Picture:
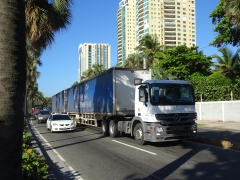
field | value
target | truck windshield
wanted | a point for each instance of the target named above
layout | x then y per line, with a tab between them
171	94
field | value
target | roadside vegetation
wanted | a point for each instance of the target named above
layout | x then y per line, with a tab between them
33	165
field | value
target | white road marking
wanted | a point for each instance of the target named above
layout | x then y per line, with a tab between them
47	146
135	147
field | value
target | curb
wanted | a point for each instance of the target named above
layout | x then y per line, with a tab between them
219	143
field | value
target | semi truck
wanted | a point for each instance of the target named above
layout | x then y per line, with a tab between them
125	101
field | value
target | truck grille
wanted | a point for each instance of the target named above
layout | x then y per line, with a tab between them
177	117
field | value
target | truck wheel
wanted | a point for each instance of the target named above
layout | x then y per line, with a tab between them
113	128
138	134
75	120
105	127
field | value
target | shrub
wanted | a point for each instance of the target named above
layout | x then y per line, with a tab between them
33	165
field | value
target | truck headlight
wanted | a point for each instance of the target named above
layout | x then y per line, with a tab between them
158	129
194	128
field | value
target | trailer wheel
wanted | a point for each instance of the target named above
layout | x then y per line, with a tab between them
105	127
113	128
138	134
75	122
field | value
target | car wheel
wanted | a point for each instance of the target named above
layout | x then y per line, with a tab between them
113	128
139	134
52	130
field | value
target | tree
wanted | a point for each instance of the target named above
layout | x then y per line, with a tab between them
148	47
228	63
134	61
12	87
182	62
43	19
97	69
91	72
74	84
226	17
159	73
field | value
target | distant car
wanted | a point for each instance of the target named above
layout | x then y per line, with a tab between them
60	122
42	116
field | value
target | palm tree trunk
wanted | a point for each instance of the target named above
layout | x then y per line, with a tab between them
12	87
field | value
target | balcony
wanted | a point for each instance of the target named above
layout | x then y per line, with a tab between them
169	7
169	16
169	34
170	25
169	12
170	43
170	29
170	38
169	20
169	3
140	2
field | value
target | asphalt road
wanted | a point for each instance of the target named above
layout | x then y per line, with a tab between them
93	157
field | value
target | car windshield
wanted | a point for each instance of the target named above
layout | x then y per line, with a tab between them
171	94
44	112
60	117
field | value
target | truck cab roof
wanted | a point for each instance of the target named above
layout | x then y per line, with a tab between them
166	81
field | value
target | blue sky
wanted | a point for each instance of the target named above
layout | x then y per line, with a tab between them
94	21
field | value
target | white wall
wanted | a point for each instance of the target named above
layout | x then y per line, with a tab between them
218	110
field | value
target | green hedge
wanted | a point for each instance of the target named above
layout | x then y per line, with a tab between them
212	90
33	165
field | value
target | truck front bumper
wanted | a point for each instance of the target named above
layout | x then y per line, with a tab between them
155	132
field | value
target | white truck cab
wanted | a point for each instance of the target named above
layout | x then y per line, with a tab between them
164	111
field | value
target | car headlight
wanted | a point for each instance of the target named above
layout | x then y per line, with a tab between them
55	124
158	129
40	118
72	124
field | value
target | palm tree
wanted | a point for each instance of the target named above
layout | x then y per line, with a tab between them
91	72
228	63
87	74
97	69
134	61
148	47
158	73
43	20
232	9
12	87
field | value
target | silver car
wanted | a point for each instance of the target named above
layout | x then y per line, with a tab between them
42	116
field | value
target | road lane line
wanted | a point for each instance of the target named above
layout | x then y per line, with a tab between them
47	147
135	147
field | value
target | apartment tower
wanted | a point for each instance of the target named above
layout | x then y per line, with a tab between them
92	53
173	21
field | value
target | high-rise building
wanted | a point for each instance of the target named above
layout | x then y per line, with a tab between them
173	21
93	53
126	29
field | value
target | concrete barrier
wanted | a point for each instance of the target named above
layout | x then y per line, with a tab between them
218	111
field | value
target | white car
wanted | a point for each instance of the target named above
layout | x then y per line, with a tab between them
60	122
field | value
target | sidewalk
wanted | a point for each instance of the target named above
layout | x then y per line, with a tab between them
217	133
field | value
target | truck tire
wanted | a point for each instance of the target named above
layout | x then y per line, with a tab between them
75	120
105	127
138	134
113	128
